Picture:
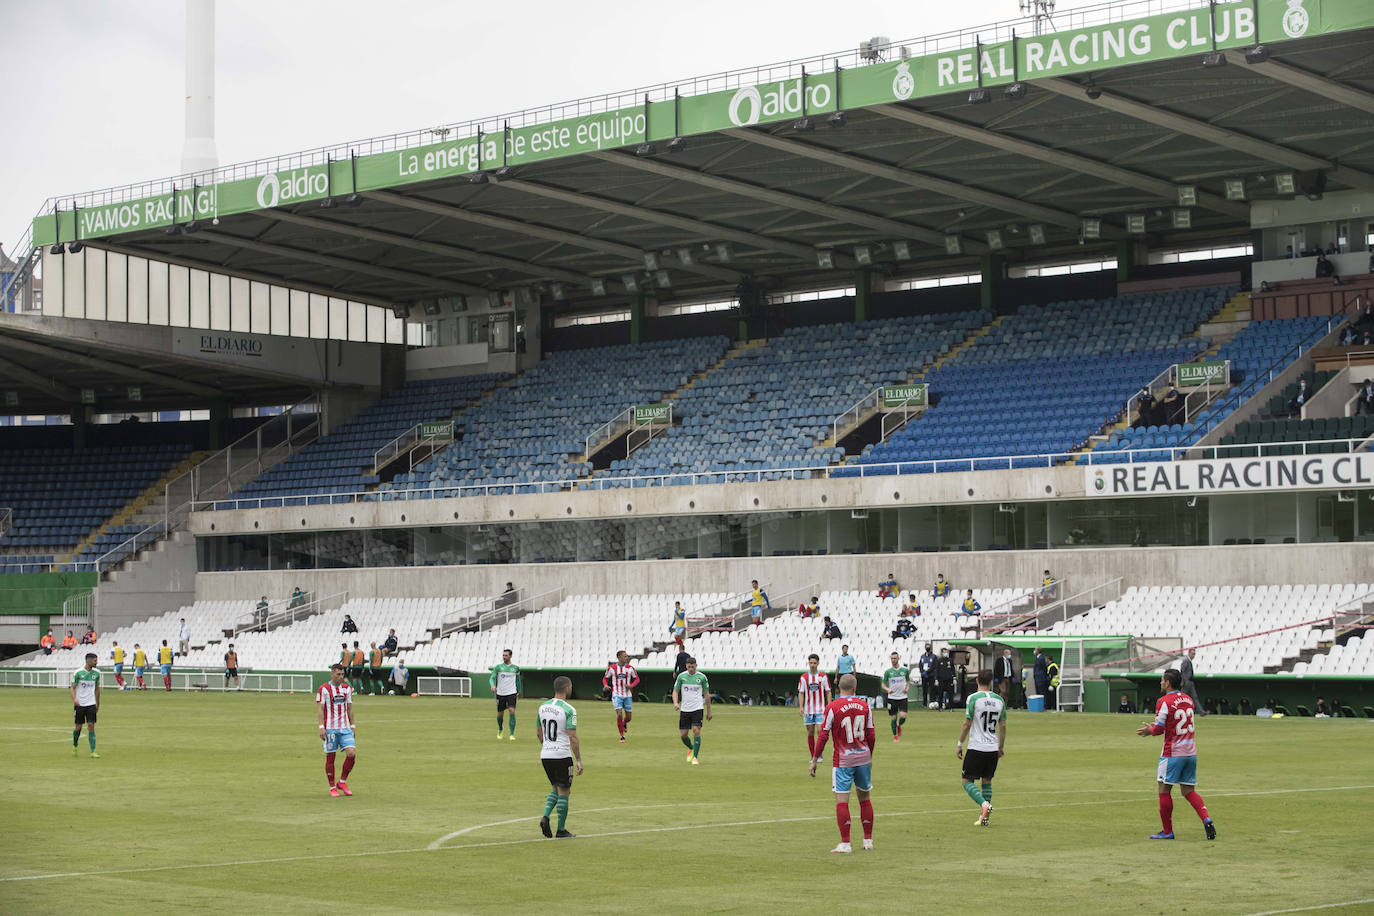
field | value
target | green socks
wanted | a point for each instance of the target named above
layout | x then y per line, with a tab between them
90	738
512	722
562	807
892	721
686	742
974	794
76	737
696	746
987	791
550	802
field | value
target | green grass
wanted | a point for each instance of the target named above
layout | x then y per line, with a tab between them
205	802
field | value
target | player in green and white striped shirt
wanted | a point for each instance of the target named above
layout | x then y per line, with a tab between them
691	697
560	752
506	683
896	681
985	716
86	702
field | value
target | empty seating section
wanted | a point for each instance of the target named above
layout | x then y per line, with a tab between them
1047	378
118	541
1252	433
768	408
207	620
865	620
25	563
341	462
59	495
1208	614
1259	347
582	631
536	429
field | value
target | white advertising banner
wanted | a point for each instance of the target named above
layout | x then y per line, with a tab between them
1231	475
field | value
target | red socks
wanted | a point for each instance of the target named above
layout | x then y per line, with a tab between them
1166	812
620	726
167	681
119	679
329	767
140	683
866	817
347	768
842	816
811	745
1199	806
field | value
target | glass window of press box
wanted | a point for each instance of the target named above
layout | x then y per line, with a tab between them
1265	518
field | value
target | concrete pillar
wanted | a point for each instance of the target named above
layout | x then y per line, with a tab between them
994	268
637	319
221	412
1128	253
863	288
80	421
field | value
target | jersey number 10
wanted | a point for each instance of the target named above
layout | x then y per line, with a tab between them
550	730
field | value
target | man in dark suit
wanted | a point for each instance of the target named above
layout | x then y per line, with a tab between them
1185	670
1041	672
1004	677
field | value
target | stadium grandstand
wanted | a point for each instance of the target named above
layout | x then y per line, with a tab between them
1088	334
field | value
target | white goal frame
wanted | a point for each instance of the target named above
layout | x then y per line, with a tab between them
443	686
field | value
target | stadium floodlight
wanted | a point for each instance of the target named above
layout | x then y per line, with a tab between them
901	251
194	225
954	245
836	119
478	178
1092	228
1257	55
863	255
677	145
87	395
684	256
1092	91
352	200
645	149
1135	223
1235	189
979	96
494	299
995	239
1016	91
803	124
650	260
1285	183
173	229
135	393
74	247
631	283
503	173
11	398
328	203
663	279
1214	59
1182	219
58	248
598	286
1187	195
825	260
723	253
560	292
1036	233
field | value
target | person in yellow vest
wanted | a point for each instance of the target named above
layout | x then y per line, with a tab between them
374	669
140	662
1052	695
117	656
969	607
231	668
1048	587
164	661
941	588
758	600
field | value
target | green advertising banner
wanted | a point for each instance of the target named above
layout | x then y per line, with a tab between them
1227	24
653	413
1205	373
905	395
437	430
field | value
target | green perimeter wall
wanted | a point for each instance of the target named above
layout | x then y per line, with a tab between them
1354	691
42	593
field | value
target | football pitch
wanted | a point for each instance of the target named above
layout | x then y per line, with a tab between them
209	802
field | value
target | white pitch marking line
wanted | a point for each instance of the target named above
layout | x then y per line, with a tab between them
682	827
1319	906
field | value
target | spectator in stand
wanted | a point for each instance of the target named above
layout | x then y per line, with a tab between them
941	588
1146	406
297	598
1049	588
904	628
758	600
400	676
69	641
845	664
969	608
810	610
912	607
1324	267
888	587
184	638
1348	336
1172	407
1300	398
925	666
262	611
509	596
348	625
48	643
1126	705
88	638
1364	404
390	645
830	630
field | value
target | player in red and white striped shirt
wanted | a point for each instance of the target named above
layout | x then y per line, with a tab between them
813	693
334	700
622	678
850	720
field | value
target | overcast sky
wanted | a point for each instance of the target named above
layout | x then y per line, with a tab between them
96	87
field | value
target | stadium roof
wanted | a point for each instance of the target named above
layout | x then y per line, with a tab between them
800	172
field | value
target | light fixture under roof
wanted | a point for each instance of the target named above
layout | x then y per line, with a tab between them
1135	223
995	239
954	245
631	283
1182	218
863	255
825	260
598	286
1036	233
1235	188
1092	228
1187	195
901	250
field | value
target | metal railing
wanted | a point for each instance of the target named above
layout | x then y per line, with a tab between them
1101	457
406	441
720	615
1061	609
616	426
960	39
282	613
78	611
497	610
1208	391
854	415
